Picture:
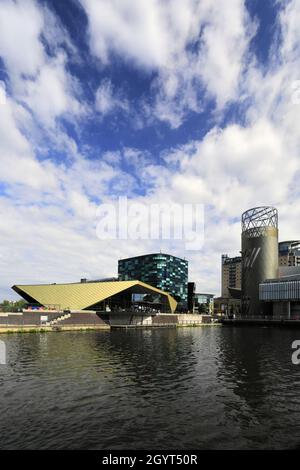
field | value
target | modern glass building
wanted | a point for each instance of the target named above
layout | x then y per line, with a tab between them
166	272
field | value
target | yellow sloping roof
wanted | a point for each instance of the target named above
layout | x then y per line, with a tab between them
78	296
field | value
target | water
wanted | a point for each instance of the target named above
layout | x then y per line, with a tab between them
192	388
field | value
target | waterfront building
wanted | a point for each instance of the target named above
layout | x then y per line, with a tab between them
288	259
284	271
282	295
289	253
259	255
269	271
166	272
113	296
231	275
227	307
204	303
199	302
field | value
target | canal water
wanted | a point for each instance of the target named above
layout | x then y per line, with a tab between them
188	388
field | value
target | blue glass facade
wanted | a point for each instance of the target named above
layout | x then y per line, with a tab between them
166	272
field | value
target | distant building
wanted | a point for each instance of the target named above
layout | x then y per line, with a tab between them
199	302
265	279
282	296
228	307
191	296
288	260
166	272
289	253
204	303
104	279
231	275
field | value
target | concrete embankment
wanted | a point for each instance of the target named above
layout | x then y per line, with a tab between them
17	323
160	320
45	329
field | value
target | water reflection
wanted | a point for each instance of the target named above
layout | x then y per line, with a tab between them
159	388
261	385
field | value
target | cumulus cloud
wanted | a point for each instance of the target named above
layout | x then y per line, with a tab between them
198	49
48	211
47	206
195	51
21	25
38	78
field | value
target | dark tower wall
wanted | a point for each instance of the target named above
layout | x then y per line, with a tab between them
259	255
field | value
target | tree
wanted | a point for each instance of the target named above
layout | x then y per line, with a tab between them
11	306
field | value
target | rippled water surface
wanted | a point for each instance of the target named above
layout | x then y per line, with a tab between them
200	388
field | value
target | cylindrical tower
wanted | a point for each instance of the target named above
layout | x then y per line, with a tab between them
259	255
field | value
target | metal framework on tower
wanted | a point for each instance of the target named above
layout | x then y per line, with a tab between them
257	219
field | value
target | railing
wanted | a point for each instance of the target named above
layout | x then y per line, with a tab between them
130	311
261	317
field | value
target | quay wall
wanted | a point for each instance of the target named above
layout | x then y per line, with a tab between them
90	319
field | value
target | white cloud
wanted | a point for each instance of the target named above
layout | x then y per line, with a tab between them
38	79
108	99
49	207
18	162
47	212
2	93
21	24
49	95
289	20
134	29
198	49
225	41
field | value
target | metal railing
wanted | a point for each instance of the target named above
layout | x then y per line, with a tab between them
262	317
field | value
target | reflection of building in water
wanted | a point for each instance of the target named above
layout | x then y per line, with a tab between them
140	352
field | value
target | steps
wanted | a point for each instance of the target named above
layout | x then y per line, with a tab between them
57	320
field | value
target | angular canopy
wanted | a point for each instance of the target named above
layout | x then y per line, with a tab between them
81	295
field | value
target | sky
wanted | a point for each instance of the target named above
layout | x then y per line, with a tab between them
181	101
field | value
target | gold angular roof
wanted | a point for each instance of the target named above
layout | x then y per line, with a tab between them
81	295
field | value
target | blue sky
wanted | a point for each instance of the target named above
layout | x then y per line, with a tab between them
183	101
